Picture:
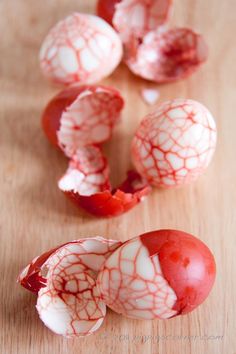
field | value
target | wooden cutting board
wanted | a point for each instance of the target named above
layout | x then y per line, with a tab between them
35	216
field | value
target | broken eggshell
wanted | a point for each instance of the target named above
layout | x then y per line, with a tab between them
174	144
152	51
82	48
106	9
134	18
166	55
81	116
88	186
65	280
160	274
78	120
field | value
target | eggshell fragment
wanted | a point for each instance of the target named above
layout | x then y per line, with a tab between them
160	274
81	48
80	116
166	55
134	18
65	280
106	9
78	120
99	198
174	145
150	96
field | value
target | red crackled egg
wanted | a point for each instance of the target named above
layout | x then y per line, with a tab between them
174	145
160	274
81	48
78	120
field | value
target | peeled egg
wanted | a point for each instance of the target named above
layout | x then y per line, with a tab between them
174	145
160	274
81	48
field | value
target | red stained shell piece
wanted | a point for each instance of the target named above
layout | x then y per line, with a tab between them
81	48
81	116
34	276
78	120
134	18
106	9
159	274
174	145
107	202
31	276
68	301
165	56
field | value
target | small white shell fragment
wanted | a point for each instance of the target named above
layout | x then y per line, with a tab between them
150	96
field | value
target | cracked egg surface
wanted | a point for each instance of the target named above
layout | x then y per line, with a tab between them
82	48
174	145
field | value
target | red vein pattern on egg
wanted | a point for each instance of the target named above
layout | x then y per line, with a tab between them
68	301
174	144
132	284
79	49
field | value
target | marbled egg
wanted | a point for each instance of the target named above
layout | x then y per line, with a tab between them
82	48
174	144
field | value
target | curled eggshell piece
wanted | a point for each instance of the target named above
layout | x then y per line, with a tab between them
174	145
134	18
166	55
82	48
78	120
88	186
65	280
160	274
80	116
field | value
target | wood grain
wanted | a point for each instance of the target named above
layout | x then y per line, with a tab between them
35	216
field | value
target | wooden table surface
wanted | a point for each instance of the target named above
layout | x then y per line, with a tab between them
35	216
